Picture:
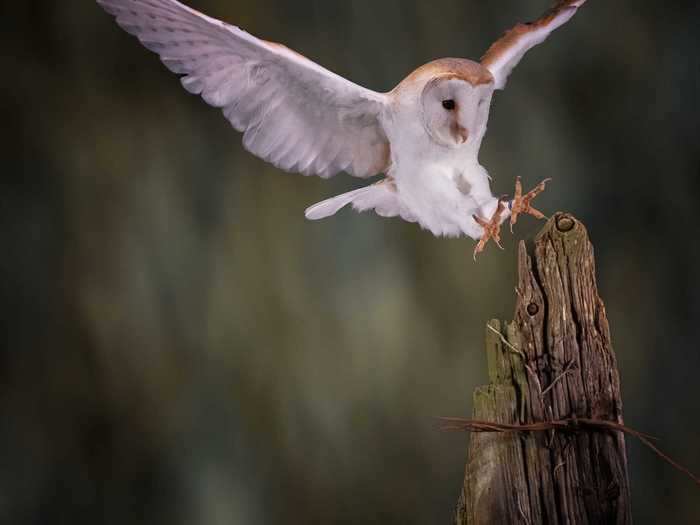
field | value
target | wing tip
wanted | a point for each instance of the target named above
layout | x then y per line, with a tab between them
555	17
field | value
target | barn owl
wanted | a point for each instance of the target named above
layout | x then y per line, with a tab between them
423	136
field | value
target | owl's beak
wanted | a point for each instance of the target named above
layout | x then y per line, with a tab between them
461	134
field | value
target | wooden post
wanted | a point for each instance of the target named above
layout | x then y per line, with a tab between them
555	361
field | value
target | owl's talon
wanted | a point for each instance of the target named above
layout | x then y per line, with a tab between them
522	203
492	229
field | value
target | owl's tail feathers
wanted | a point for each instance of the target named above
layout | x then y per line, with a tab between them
333	205
380	197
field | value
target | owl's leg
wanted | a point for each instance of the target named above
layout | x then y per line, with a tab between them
492	228
522	203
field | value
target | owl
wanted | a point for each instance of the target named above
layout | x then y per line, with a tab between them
423	137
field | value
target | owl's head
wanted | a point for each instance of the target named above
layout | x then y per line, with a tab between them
455	111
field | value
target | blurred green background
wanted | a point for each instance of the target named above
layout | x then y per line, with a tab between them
182	347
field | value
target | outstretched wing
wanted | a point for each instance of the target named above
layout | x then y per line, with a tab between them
294	113
505	53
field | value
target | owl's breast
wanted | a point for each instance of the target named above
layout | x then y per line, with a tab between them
442	196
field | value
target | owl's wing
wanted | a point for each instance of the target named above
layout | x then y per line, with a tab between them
507	52
294	113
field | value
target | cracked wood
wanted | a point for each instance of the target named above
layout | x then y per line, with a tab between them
554	361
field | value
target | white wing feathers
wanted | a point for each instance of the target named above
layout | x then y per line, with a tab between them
294	113
505	54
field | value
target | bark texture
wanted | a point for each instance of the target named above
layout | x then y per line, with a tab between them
554	361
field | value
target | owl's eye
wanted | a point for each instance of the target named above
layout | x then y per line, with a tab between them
449	105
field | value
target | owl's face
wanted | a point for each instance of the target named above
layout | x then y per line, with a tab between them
455	112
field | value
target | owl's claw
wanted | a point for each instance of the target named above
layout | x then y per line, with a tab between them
522	203
492	229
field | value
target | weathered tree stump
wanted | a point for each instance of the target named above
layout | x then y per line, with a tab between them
554	362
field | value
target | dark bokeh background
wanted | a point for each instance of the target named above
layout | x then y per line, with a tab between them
181	347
